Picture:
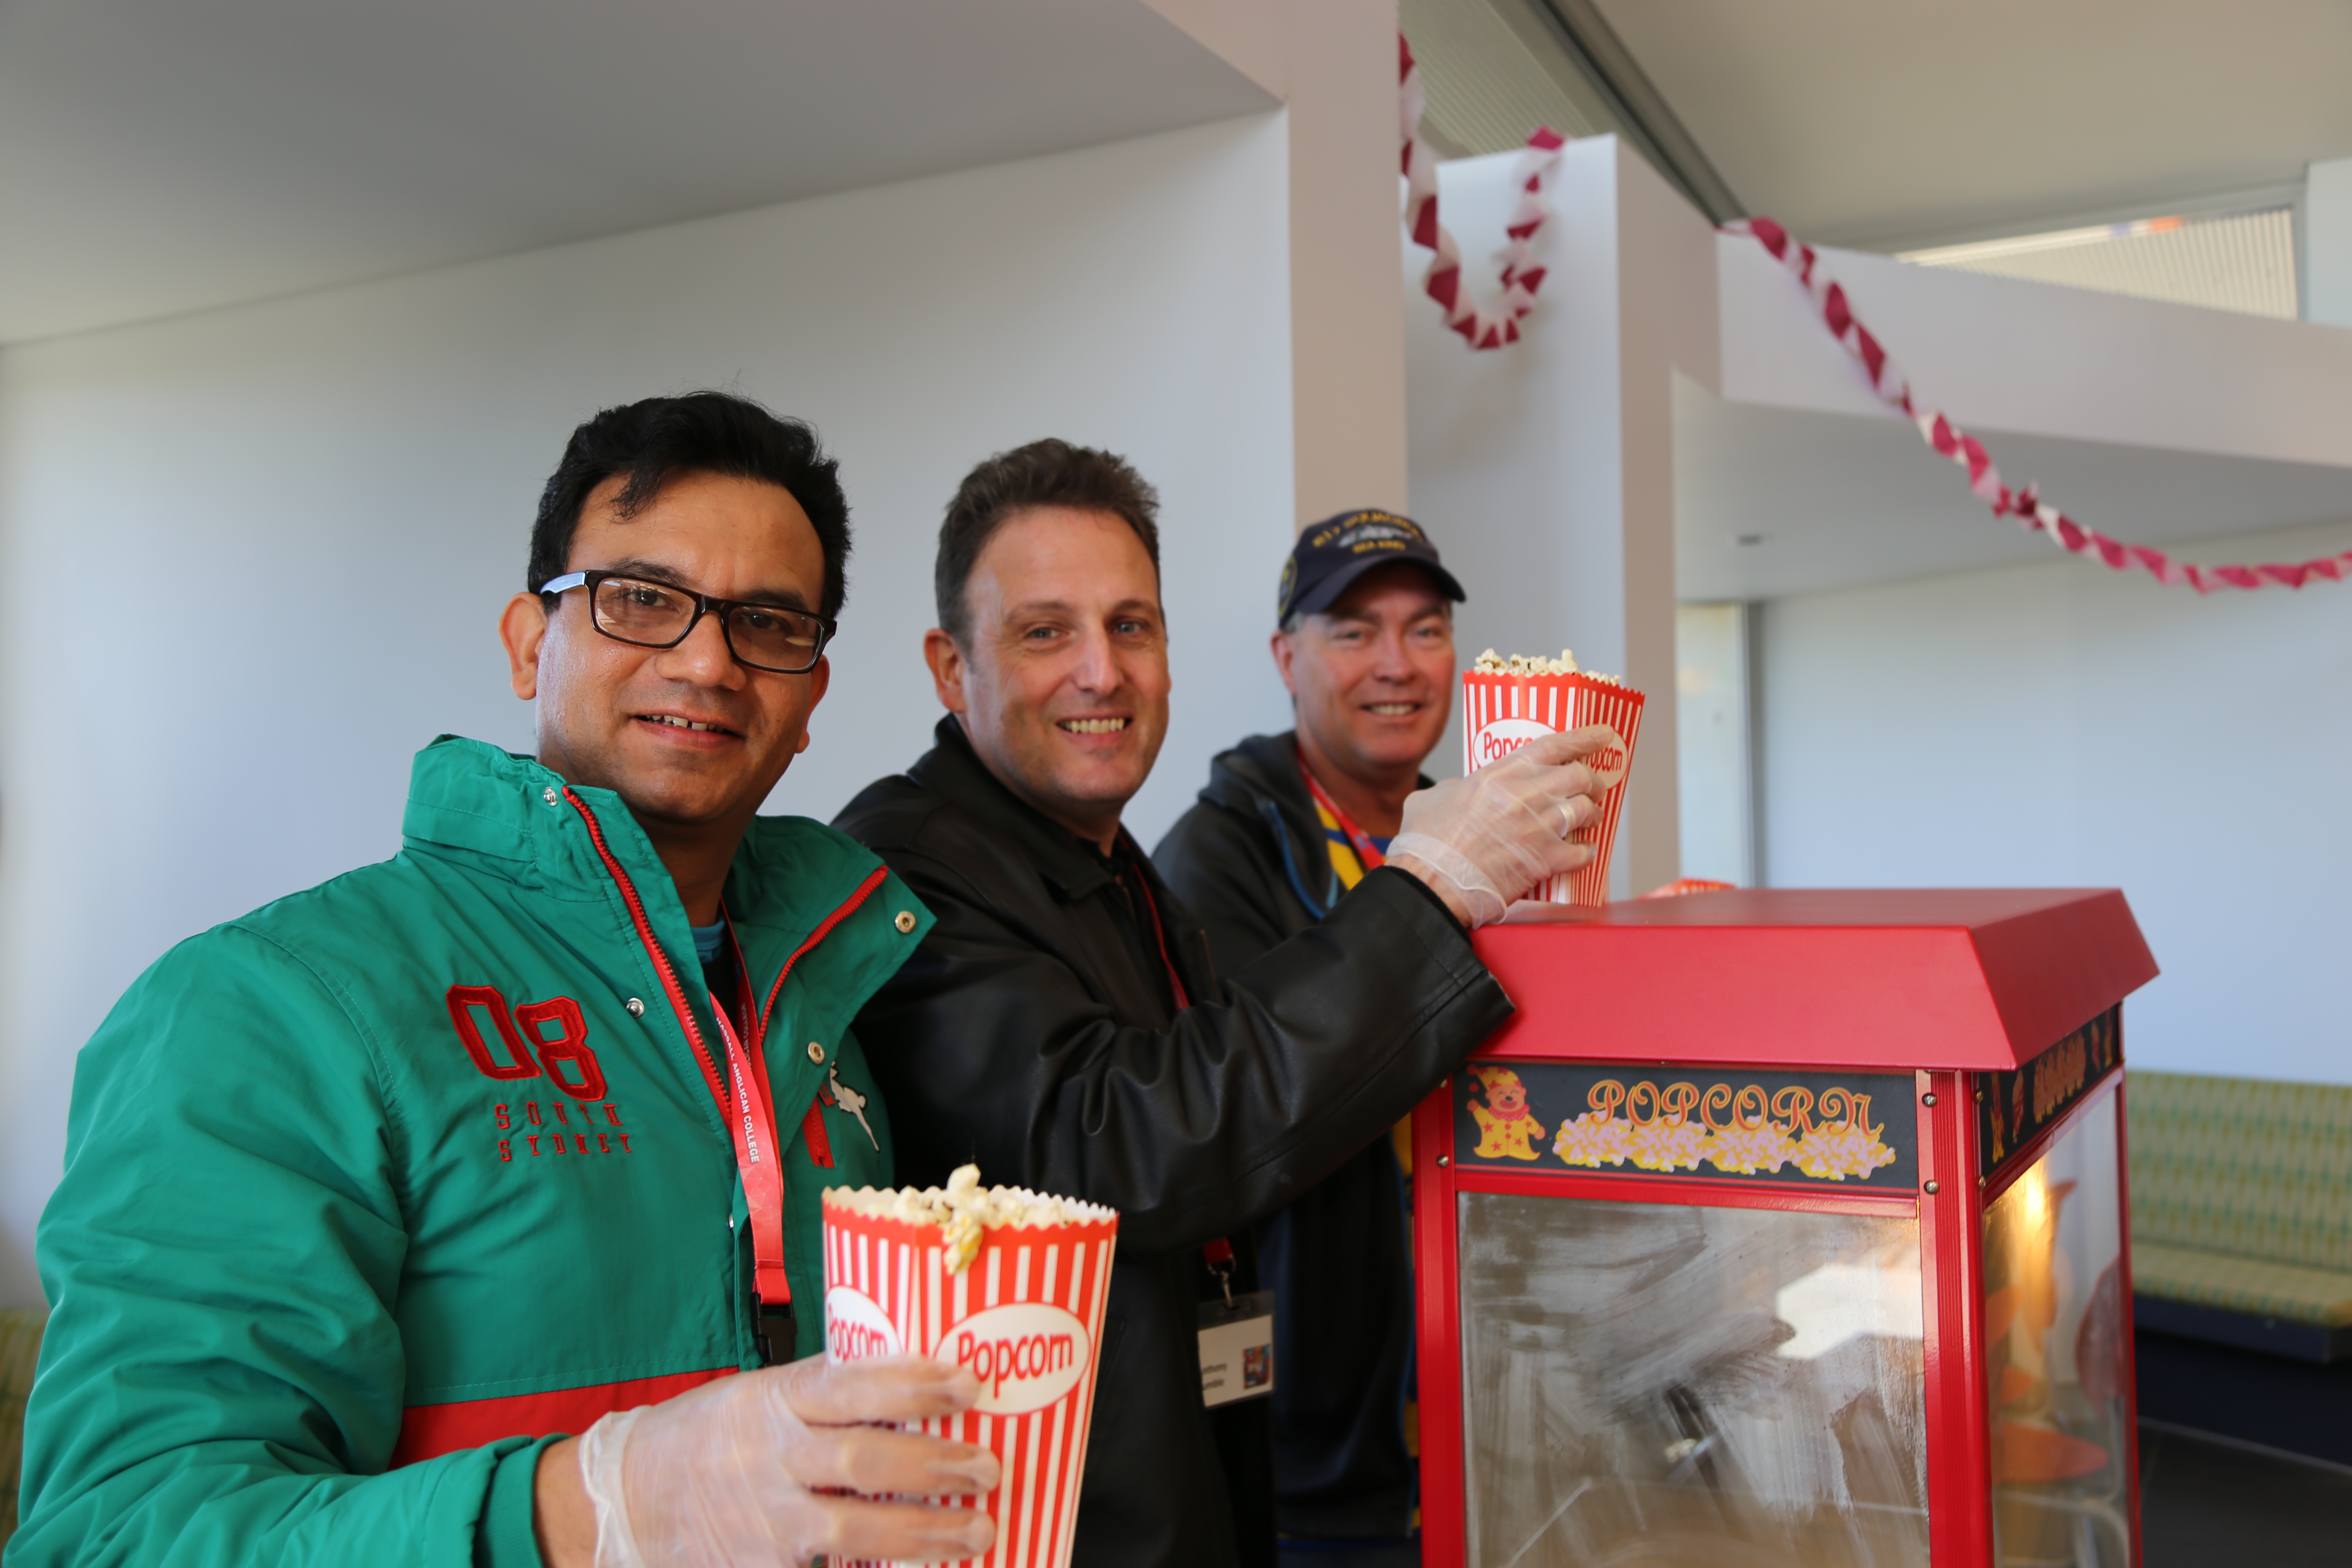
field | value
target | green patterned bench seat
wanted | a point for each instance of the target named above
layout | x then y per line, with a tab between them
2241	1211
20	1347
2322	1296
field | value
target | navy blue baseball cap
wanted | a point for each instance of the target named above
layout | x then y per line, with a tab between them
1338	549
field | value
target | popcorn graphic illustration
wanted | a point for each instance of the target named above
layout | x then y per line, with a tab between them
1595	1139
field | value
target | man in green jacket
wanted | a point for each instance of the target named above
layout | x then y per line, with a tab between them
373	1196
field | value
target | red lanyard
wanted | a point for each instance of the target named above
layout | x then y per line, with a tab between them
1368	853
1152	907
750	1116
754	1128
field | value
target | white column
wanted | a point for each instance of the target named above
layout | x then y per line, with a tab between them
2327	243
1545	470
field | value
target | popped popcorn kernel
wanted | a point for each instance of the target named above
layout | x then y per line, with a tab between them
965	1211
1492	663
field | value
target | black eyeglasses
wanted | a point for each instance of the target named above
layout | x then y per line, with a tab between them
656	615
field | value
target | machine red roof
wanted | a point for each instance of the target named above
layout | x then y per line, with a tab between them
1937	978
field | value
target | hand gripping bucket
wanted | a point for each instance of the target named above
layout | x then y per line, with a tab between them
1025	1315
1501	713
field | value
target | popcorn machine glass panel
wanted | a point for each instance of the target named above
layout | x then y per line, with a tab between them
1650	1386
2056	1365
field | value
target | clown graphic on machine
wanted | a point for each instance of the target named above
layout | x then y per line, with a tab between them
1506	1128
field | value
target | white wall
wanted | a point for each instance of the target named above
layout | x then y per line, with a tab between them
258	551
1333	62
2061	725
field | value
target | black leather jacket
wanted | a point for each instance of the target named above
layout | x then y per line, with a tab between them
1249	860
1028	1034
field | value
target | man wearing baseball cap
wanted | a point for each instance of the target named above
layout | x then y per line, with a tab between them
1288	825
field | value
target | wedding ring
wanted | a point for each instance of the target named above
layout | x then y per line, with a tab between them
1568	811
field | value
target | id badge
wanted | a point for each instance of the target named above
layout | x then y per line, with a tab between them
1237	1349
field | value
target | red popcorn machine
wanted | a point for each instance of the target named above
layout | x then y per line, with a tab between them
1785	1228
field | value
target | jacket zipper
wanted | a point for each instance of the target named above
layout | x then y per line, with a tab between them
824	929
676	993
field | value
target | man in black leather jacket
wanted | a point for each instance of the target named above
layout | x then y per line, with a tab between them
1062	1024
1365	644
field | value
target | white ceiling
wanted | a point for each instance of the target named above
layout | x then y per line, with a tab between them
1842	501
1493	70
1883	123
158	156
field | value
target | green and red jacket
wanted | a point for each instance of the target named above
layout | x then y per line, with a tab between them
369	1193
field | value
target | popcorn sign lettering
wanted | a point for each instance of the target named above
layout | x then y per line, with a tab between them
854	1328
1843	1143
1501	738
1771	1126
1025	1356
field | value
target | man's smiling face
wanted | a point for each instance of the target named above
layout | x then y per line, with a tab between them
1064	688
690	739
1373	675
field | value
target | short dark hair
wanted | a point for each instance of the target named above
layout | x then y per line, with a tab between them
1043	473
658	440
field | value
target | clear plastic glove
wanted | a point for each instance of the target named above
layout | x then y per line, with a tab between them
1481	843
740	1469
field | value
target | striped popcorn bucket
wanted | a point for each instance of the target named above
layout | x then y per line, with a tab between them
1025	1315
1501	713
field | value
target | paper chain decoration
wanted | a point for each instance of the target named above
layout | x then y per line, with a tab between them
2030	509
1442	282
1522	279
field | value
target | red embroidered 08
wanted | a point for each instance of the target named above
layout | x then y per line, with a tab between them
463	1000
570	1046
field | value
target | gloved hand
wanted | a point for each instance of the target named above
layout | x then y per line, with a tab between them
1485	841
738	1471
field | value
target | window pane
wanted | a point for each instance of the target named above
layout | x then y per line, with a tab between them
1649	1384
2056	1323
1711	744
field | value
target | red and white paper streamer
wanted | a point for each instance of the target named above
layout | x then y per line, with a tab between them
1442	282
1984	480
